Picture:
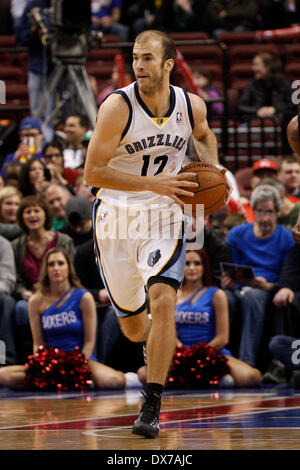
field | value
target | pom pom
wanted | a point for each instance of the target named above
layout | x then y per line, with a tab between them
53	369
199	366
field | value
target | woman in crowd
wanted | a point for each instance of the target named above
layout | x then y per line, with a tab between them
53	156
202	316
29	249
10	199
269	92
59	296
33	178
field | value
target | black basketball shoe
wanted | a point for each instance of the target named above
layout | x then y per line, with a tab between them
147	423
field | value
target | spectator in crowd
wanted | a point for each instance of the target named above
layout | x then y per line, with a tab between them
56	197
39	60
114	83
179	16
30	146
17	8
263	245
278	13
10	199
143	15
33	177
76	127
232	220
11	172
207	318
288	214
289	175
53	156
203	80
216	221
106	18
29	249
58	281
78	214
287	326
7	303
263	168
83	190
287	298
269	94
6	23
232	15
216	248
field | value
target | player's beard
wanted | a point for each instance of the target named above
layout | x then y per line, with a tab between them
154	85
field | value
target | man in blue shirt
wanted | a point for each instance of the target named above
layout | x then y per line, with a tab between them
106	17
264	245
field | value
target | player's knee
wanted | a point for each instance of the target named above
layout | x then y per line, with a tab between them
162	300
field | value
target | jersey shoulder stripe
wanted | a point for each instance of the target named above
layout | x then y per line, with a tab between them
189	107
124	95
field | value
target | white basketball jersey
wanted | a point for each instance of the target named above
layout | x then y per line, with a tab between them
150	145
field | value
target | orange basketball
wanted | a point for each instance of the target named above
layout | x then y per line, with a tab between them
212	190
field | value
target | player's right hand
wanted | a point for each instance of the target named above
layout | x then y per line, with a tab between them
173	186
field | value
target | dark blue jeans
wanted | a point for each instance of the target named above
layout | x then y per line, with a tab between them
253	306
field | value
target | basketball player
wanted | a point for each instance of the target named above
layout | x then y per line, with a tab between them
293	135
136	151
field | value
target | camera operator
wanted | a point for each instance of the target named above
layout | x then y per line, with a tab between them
30	32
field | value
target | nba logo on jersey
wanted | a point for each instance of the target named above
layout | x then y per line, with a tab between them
178	118
153	258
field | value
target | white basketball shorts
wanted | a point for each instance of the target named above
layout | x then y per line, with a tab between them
136	247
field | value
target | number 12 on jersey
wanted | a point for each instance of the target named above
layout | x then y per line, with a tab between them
161	160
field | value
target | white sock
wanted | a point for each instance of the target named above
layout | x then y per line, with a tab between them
227	381
132	380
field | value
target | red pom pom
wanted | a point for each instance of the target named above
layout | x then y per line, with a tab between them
53	369
199	366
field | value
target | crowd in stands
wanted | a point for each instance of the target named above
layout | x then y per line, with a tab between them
45	204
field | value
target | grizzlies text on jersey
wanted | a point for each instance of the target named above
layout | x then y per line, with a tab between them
149	144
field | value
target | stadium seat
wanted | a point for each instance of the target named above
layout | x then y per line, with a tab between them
202	55
99	71
10	73
292	71
17	93
246	53
237	38
7	41
239	72
189	35
292	53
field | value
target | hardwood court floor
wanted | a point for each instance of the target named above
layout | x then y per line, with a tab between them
210	420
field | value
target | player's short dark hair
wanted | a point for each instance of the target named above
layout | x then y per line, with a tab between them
169	48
